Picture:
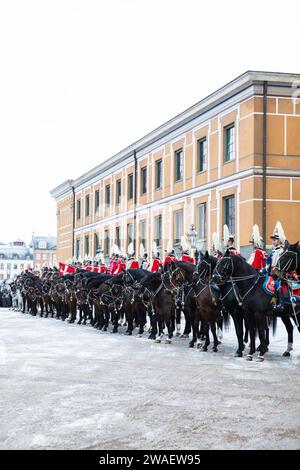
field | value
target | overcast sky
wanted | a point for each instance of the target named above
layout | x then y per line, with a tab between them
80	80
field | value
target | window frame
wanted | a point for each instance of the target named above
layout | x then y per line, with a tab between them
118	191
158	183
97	201
130	186
143	181
203	168
226	144
226	200
78	209
181	165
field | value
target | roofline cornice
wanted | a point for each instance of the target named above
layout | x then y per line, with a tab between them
231	89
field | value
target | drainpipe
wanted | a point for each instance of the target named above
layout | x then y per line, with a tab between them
264	164
73	222
134	204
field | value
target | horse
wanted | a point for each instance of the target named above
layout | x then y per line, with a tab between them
157	294
247	286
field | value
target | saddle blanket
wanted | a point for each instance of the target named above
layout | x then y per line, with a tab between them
270	286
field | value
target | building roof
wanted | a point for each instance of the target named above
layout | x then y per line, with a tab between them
44	242
247	83
10	250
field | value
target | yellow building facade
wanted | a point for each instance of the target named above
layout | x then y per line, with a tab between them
232	158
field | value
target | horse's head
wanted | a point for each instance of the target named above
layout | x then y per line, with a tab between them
288	261
205	267
223	269
177	277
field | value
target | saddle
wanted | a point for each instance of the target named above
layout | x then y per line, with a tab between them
290	289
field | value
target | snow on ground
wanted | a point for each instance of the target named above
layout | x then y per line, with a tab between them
67	386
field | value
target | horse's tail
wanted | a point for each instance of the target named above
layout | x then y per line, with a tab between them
273	324
226	319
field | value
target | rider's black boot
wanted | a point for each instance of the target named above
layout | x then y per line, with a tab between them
279	307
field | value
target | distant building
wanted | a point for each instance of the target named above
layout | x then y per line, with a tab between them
15	257
44	251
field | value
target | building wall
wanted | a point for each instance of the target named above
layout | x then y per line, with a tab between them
219	180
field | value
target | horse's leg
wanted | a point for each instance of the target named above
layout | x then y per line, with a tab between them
188	325
206	331
170	331
238	325
178	319
161	325
289	328
195	328
153	327
246	337
260	321
214	333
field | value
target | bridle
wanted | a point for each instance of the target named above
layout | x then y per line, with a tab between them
233	280
287	266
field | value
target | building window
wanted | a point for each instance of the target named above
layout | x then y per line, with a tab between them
15	266
129	233
107	195
87	205
178	226
96	243
143	233
178	165
130	186
106	242
2	266
86	245
143	180
43	245
201	222
78	209
118	240
158	174
229	213
77	248
229	143
118	192
97	200
202	150
158	231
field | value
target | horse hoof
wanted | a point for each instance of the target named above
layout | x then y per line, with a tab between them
157	341
204	349
168	341
184	336
238	354
249	357
177	333
260	359
286	354
191	344
215	349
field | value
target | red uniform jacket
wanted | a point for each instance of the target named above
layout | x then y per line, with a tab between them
169	259
89	268
156	265
132	264
102	269
260	258
120	268
187	259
